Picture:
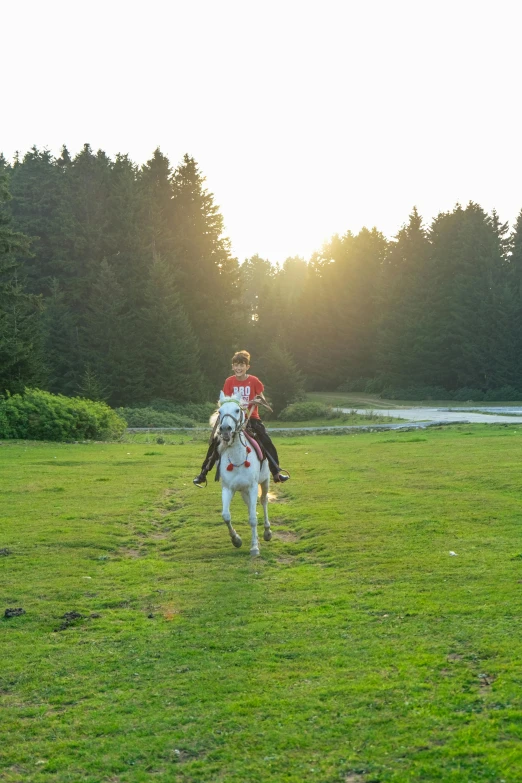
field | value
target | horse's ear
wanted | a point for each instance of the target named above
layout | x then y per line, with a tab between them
221	396
237	396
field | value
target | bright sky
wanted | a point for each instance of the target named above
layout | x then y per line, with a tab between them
307	118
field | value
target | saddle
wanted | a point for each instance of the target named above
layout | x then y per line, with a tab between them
257	448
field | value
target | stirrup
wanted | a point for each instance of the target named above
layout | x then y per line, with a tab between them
281	479
198	482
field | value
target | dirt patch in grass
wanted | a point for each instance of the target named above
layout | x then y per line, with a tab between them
169	611
69	618
285	560
274	497
167	493
486	680
287	536
132	554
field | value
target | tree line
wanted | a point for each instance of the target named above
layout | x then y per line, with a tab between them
117	283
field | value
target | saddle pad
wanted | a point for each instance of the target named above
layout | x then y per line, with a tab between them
255	445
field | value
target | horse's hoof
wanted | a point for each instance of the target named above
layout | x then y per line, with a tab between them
236	540
254	551
267	535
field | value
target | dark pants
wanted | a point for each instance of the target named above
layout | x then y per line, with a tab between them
257	429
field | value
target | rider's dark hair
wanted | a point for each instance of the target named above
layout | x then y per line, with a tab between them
241	357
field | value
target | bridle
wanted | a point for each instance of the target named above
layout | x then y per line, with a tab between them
245	414
239	423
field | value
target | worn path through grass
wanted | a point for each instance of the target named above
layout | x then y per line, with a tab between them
356	648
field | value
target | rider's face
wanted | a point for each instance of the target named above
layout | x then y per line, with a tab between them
240	370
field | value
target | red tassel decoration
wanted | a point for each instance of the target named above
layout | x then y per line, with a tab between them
247	464
230	467
248	449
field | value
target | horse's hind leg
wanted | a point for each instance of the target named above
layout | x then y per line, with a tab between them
227	496
267	535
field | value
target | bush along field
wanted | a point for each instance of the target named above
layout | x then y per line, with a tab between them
39	415
162	413
374	639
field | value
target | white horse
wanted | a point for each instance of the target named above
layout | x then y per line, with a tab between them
241	469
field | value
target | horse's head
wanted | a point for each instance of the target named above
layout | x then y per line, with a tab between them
231	417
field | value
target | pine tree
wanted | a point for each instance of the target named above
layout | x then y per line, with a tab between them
312	333
111	339
36	187
125	245
61	335
339	310
170	357
514	294
463	344
207	274
256	280
20	349
402	308
283	381
255	275
86	240
91	387
157	219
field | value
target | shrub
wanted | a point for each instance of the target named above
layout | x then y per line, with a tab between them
306	411
39	415
416	393
198	411
504	394
149	417
166	413
468	394
374	386
355	384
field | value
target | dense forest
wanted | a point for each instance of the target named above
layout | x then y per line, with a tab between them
117	283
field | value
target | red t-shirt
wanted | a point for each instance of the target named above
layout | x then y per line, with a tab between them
248	389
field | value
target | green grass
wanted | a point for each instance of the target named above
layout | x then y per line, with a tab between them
354	649
363	400
348	419
498	413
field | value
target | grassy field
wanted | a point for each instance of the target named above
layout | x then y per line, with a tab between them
348	419
356	649
372	401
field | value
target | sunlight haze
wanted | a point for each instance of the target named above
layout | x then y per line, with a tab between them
307	119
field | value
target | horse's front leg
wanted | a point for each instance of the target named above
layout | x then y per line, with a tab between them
227	495
267	535
252	518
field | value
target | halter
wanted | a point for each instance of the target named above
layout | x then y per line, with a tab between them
241	422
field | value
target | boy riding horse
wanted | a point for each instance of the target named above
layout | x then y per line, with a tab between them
249	388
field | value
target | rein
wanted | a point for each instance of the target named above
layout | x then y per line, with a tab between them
248	408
